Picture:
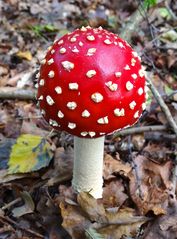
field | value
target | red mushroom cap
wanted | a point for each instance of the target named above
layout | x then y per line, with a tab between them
91	83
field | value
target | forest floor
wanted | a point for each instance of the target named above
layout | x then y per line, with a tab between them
36	198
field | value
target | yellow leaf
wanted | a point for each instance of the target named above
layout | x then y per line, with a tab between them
24	55
29	153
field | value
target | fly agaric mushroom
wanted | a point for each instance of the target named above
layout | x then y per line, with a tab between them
91	83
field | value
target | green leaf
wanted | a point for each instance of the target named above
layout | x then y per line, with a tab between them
164	12
149	3
93	234
29	153
50	28
168	90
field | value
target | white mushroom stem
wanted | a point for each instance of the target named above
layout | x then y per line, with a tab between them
88	165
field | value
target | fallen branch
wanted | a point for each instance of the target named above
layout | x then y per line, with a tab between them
163	106
132	24
138	130
16	225
12	93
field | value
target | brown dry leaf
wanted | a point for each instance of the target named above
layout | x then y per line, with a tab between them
156	152
90	213
74	221
92	207
118	232
63	165
113	194
154	185
112	166
138	141
124	222
164	226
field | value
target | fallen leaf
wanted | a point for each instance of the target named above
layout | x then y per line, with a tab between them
63	165
28	206
92	207
74	221
113	194
149	189
112	166
24	55
164	226
93	234
29	153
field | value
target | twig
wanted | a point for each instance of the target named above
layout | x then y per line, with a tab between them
134	167
10	221
136	130
163	106
17	200
131	25
12	93
174	17
175	173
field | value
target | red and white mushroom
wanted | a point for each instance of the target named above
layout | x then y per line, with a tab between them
91	84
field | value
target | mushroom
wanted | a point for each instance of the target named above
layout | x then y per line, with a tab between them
91	83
